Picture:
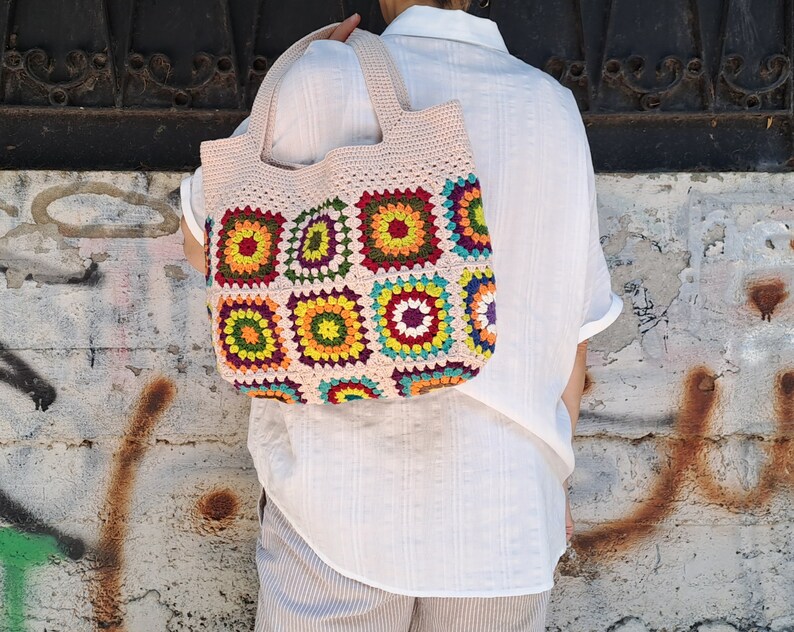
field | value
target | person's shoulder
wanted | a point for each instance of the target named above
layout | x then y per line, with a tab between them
540	80
320	71
561	109
323	56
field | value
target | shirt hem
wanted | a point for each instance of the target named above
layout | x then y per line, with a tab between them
512	592
187	209
590	329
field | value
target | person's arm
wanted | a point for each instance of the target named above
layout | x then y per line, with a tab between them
572	398
572	395
194	251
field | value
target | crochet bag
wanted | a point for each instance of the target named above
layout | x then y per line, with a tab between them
365	275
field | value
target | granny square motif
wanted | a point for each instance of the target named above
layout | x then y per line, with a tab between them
248	244
467	218
284	390
319	248
398	230
249	334
329	328
413	316
367	275
339	391
478	291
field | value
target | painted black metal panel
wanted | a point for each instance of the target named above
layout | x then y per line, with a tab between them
118	84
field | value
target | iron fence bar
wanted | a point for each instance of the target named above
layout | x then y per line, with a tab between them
598	80
110	52
697	34
5	30
579	22
125	51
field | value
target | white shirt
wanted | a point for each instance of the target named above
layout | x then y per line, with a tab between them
458	492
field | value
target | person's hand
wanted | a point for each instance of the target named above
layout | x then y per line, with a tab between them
568	517
343	31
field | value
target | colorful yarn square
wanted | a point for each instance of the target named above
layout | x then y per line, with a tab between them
398	229
478	291
339	391
329	328
319	248
249	333
285	391
413	317
467	218
413	382
248	245
208	225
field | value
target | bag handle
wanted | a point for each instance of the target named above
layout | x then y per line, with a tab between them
384	83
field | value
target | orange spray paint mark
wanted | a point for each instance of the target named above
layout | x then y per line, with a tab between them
217	509
687	456
699	397
778	457
105	594
767	295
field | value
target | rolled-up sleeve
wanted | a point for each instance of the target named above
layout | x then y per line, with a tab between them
602	306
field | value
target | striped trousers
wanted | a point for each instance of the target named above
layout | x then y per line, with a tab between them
298	592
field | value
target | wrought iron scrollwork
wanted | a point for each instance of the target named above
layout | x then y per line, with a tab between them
572	73
31	72
626	74
568	72
256	73
213	80
773	71
720	73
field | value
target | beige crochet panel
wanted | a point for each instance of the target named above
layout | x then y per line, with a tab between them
365	275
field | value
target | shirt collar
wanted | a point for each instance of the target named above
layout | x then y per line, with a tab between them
425	21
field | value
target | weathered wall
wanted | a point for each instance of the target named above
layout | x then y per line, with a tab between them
127	497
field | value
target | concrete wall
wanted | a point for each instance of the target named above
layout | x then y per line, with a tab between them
127	496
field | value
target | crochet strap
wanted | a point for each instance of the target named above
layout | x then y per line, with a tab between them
384	83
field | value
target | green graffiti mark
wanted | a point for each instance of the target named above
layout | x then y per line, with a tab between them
19	552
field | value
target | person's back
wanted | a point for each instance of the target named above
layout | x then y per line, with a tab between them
456	493
538	190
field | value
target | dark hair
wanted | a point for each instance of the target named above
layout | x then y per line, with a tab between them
455	4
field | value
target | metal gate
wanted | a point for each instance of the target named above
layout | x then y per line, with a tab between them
138	84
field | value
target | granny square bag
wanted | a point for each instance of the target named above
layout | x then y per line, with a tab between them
365	275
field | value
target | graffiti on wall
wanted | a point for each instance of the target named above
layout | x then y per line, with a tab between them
25	544
686	453
46	252
154	400
19	375
26	541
